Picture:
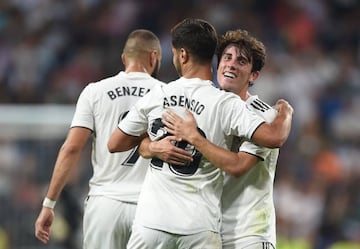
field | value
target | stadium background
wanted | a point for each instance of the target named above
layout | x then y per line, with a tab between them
49	50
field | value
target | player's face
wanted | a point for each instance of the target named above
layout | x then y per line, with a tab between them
234	70
176	61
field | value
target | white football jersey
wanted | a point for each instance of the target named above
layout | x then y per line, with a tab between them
186	199
247	201
100	107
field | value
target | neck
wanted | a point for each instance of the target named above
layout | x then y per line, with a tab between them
244	95
203	72
136	67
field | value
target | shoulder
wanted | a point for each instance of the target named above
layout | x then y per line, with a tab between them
261	108
231	98
158	82
256	102
103	82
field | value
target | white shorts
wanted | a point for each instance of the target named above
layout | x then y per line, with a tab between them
256	245
107	223
147	238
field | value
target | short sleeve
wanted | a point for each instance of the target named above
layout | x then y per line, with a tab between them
253	149
238	119
137	120
83	116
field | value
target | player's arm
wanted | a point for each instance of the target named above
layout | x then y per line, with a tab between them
67	160
233	163
274	134
120	141
165	150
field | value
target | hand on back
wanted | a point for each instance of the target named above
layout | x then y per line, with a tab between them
165	150
184	129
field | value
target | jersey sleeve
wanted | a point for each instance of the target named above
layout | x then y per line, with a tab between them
83	116
261	108
136	121
253	149
268	113
238	119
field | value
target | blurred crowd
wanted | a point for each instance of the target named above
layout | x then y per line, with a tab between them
50	49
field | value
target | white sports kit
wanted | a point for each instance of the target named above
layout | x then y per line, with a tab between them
185	200
117	178
247	202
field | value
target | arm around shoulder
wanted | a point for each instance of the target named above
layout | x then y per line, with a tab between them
275	134
235	164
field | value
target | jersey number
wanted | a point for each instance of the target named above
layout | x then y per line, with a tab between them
158	130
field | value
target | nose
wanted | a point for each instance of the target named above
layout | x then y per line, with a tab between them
230	65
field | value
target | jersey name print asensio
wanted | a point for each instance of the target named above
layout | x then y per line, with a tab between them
182	101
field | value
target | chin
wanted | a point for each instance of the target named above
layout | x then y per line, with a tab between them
225	85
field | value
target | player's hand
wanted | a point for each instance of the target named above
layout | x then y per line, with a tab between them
43	224
282	106
185	129
165	150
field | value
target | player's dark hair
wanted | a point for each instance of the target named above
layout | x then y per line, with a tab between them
253	49
197	36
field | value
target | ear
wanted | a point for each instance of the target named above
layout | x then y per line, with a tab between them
153	58
123	59
254	76
184	55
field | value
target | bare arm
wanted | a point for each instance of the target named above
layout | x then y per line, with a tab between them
120	141
165	150
67	160
274	135
233	163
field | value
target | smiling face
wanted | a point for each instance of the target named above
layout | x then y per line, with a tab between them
234	71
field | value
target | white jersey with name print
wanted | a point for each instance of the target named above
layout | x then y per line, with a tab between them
247	201
186	199
100	107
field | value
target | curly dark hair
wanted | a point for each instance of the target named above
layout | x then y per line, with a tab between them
253	49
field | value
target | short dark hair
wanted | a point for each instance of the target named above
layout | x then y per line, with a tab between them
254	49
141	41
197	36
